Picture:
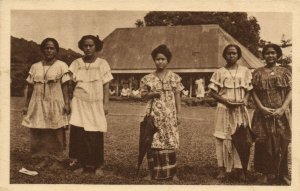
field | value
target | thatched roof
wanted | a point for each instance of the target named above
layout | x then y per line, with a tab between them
195	48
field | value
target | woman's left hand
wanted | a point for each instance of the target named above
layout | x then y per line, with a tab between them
179	120
67	109
278	112
244	101
105	108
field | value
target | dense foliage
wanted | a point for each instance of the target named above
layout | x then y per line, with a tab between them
243	28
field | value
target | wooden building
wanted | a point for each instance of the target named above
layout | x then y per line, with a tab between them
196	49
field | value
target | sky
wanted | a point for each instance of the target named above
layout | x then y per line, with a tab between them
69	26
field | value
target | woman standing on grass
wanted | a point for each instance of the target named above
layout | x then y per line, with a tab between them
162	88
271	120
47	106
91	76
230	86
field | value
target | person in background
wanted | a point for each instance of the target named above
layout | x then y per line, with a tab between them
200	91
230	86
91	76
47	106
162	90
112	91
185	93
271	120
125	92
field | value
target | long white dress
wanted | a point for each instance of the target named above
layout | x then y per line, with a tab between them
233	85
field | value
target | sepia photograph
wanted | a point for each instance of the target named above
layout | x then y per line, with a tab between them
150	97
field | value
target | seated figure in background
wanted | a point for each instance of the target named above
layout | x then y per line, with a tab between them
125	92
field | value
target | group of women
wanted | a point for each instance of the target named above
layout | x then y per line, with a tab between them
48	103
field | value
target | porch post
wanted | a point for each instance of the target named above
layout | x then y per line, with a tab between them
191	86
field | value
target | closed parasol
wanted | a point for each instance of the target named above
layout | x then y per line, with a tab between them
147	130
242	139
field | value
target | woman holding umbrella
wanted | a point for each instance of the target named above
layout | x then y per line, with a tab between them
230	86
271	120
162	88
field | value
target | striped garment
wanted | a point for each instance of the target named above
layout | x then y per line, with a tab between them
162	163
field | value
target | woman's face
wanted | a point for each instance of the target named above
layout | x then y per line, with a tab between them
89	47
270	56
231	55
161	61
49	50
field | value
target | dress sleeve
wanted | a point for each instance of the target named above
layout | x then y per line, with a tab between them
73	70
65	73
248	80
286	80
176	83
215	82
106	73
30	78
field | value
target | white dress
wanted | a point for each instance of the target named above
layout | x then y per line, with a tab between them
87	103
233	85
45	109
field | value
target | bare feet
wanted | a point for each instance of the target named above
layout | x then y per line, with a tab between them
263	179
148	177
221	174
175	179
42	164
242	176
56	165
99	172
79	171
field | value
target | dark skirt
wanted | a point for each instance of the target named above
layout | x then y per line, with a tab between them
271	146
161	163
48	143
86	146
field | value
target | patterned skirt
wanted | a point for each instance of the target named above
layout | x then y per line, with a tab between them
162	163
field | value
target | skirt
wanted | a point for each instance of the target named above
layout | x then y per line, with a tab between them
87	147
48	143
227	156
161	163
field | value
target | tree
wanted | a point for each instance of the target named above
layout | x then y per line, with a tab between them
285	44
139	23
243	28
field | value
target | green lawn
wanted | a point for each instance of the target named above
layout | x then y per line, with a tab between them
196	155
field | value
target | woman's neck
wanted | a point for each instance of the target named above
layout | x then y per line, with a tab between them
48	62
270	65
89	59
161	73
231	66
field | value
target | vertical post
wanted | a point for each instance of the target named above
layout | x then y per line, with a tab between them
130	82
117	85
191	86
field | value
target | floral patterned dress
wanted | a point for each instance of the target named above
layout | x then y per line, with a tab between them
164	108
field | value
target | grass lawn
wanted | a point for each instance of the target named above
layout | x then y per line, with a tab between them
195	158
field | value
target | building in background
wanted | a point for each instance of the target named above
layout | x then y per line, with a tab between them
196	49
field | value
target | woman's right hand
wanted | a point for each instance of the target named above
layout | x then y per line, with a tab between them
67	109
267	112
24	110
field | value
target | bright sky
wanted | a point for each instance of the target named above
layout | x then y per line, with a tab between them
68	26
